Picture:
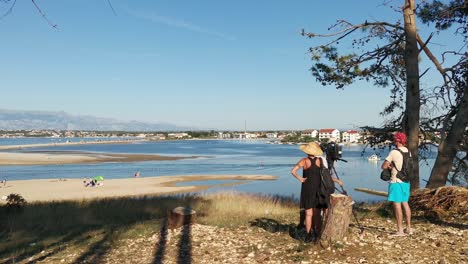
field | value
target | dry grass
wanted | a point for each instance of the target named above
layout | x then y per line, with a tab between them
235	209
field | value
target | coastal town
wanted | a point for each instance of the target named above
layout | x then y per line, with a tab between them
275	137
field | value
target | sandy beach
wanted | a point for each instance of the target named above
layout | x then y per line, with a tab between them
74	189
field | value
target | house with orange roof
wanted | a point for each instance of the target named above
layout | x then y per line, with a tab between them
351	136
310	133
330	134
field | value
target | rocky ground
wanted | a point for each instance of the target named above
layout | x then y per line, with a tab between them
440	230
430	243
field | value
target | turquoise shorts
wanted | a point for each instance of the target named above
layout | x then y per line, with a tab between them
398	192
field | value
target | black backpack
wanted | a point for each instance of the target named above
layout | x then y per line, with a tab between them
406	169
327	185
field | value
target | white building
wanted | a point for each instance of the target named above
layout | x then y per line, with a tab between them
244	135
272	135
178	135
330	134
310	133
223	135
351	136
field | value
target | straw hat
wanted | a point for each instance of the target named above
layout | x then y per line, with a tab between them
312	148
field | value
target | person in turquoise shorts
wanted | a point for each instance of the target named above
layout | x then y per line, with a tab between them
398	191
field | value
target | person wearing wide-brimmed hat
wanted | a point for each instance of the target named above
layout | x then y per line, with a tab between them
310	180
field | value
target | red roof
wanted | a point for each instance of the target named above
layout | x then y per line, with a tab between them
352	132
327	130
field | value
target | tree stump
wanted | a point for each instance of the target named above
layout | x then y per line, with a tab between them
337	220
180	216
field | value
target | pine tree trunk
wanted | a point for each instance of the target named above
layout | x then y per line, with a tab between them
337	220
413	104
449	146
181	216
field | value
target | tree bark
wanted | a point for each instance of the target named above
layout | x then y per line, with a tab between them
448	148
181	216
413	104
337	219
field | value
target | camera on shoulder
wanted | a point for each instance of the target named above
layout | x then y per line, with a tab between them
333	150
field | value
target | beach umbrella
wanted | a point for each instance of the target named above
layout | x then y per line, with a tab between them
98	178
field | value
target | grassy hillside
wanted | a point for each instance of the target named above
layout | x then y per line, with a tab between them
230	228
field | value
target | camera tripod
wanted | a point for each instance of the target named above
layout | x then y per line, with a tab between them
331	165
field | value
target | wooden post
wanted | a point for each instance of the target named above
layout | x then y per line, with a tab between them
370	191
337	220
180	216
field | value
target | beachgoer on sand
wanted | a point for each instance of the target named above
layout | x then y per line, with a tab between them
137	174
91	183
398	190
95	181
309	200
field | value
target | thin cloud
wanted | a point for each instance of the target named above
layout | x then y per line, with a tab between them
177	23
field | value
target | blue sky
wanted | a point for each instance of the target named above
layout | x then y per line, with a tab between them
206	64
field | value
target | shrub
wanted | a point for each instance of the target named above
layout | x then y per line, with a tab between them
15	202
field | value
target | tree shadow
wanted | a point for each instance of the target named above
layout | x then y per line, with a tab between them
98	250
56	248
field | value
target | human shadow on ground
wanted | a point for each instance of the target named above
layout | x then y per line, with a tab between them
274	226
185	244
161	243
184	251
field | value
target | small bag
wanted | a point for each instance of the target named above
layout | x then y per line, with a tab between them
386	175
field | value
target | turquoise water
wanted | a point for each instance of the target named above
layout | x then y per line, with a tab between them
223	157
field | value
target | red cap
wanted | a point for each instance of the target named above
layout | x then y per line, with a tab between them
400	137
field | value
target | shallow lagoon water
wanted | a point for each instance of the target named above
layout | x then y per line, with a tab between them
222	157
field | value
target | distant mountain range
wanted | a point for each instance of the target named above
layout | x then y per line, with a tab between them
29	120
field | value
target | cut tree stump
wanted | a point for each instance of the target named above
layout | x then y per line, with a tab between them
180	216
337	221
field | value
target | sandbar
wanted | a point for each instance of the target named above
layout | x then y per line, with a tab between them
43	190
28	157
83	142
65	157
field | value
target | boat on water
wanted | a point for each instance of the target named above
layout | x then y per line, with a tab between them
373	157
